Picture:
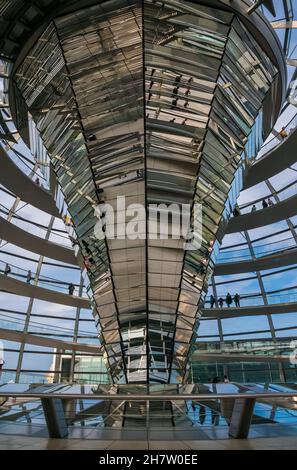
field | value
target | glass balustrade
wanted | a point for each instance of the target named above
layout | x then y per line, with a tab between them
45	282
231	256
194	412
268	347
28	167
9	323
283	194
25	378
278	139
34	228
255	300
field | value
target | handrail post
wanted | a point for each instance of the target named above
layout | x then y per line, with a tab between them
54	417
241	417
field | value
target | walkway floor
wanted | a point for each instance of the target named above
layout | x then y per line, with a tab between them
41	443
28	437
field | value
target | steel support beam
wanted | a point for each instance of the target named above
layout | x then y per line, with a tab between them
54	417
241	418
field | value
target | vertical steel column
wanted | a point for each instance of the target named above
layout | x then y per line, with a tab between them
277	199
261	284
54	417
30	306
293	232
219	321
75	332
11	212
241	418
57	365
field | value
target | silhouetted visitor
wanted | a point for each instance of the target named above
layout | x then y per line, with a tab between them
269	202
254	208
202	414
228	300
37	181
236	211
283	133
71	289
2	362
212	301
237	300
201	269
73	241
29	277
225	379
67	220
174	103
264	204
87	263
215	417
7	269
221	302
86	246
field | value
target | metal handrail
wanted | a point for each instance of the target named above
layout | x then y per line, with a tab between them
150	397
275	139
270	195
5	210
20	272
